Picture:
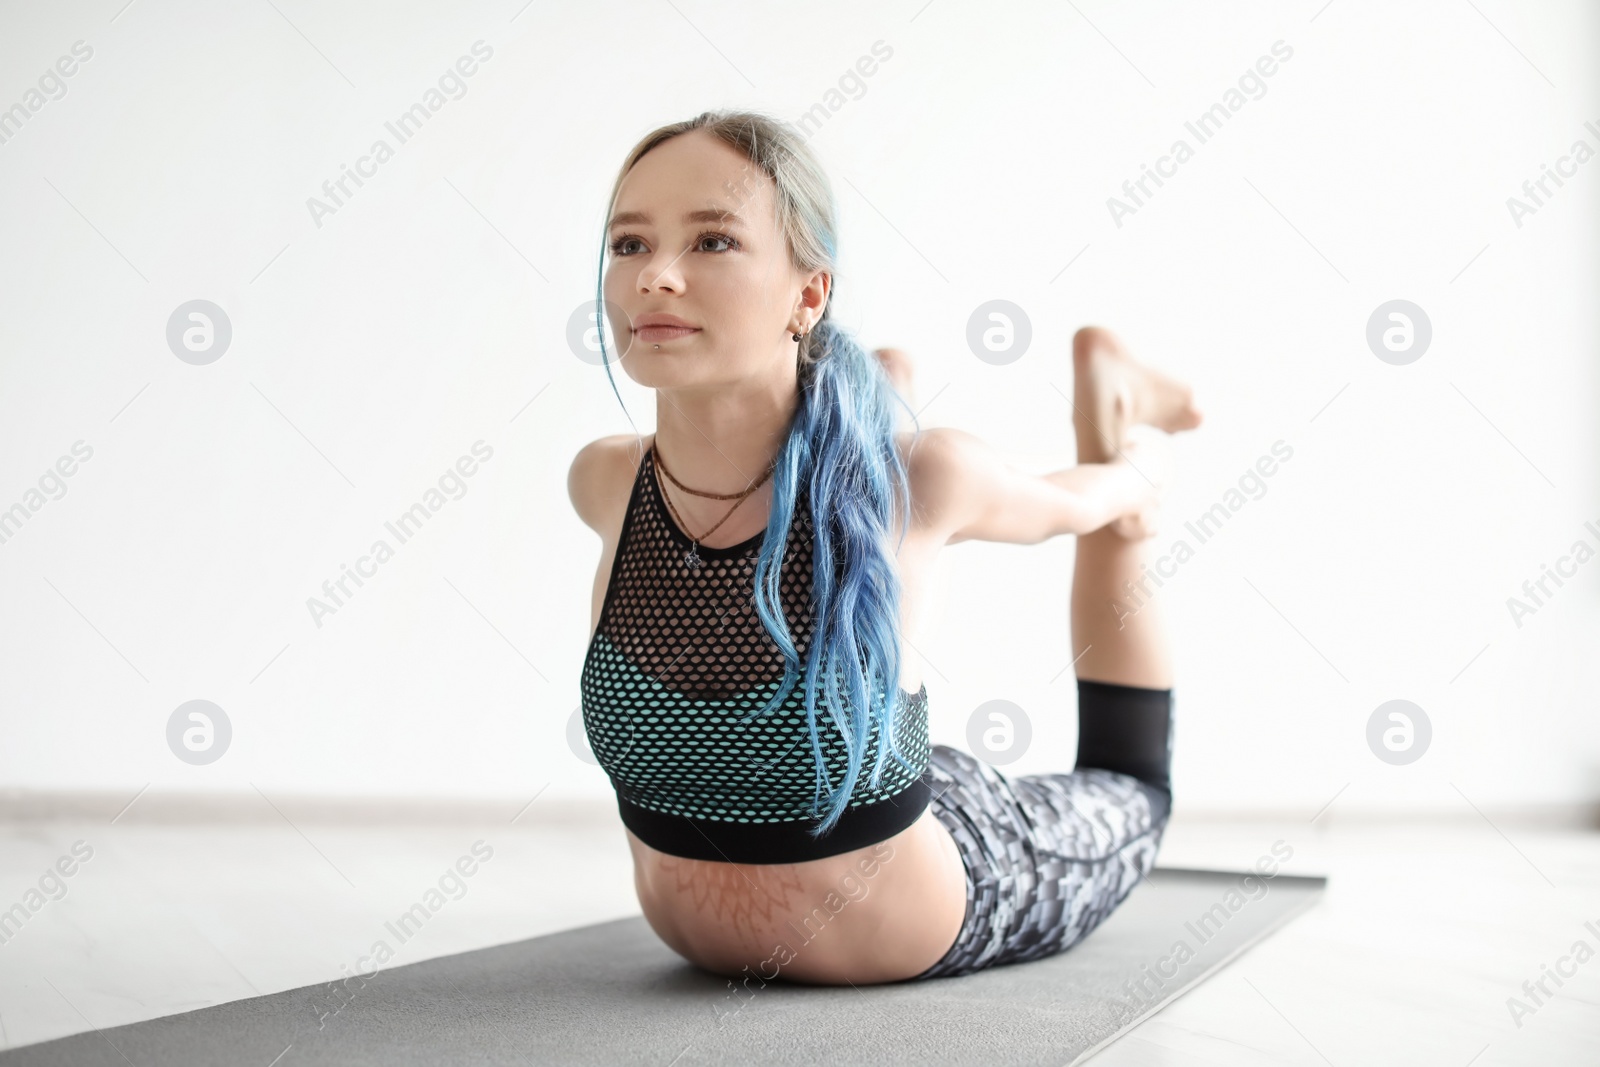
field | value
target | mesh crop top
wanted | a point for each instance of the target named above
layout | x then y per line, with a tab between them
679	656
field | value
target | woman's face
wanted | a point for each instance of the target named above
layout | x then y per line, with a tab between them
694	235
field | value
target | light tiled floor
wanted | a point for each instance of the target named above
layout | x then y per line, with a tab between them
1425	931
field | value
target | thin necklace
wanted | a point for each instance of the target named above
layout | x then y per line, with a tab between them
692	558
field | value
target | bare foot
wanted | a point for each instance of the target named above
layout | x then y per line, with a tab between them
1114	392
897	362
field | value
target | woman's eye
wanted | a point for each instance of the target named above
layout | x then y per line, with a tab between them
620	247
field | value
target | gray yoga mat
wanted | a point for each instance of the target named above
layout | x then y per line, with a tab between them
613	993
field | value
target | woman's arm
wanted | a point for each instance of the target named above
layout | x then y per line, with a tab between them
964	488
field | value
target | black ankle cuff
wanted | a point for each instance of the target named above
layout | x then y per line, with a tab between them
1127	729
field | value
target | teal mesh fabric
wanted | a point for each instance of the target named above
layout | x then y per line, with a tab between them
685	756
679	657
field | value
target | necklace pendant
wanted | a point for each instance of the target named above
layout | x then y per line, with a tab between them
692	559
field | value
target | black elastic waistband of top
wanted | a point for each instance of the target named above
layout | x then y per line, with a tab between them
780	842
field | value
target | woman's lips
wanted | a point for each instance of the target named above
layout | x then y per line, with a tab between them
657	334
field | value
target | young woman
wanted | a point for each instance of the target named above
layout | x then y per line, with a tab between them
787	816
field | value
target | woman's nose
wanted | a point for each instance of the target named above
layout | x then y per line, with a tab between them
662	272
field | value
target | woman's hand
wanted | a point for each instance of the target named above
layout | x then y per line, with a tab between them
1151	458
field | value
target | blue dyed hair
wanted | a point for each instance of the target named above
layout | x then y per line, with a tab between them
840	446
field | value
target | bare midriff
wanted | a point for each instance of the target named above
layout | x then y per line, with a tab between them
882	913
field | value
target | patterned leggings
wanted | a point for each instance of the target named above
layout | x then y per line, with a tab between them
1050	856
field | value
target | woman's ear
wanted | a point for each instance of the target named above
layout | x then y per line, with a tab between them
814	295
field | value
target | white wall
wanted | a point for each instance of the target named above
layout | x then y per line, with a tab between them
430	312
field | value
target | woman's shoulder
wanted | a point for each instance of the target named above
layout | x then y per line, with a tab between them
941	465
601	477
930	458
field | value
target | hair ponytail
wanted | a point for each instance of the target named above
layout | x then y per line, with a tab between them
841	446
